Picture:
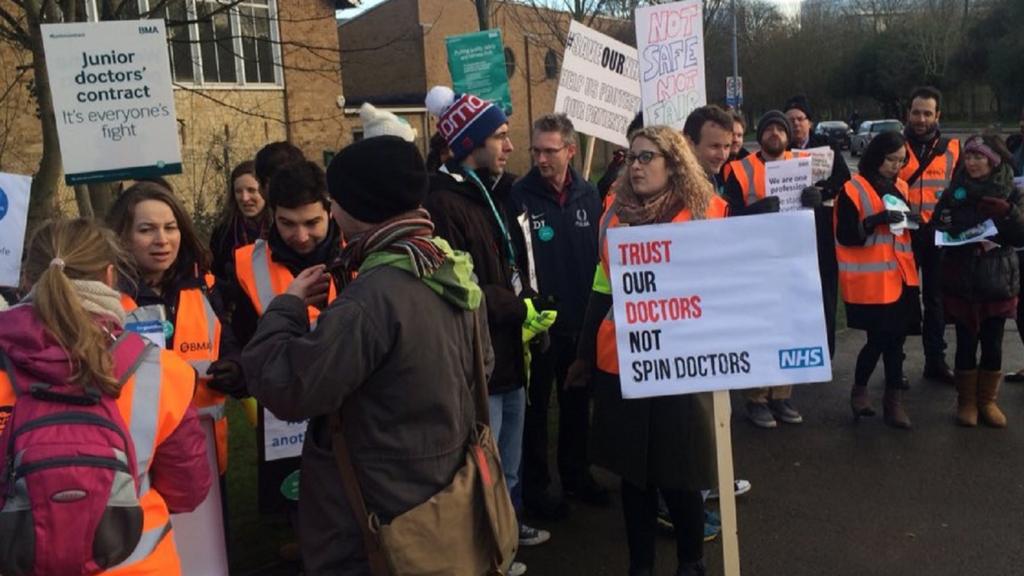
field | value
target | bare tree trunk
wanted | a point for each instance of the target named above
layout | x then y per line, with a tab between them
101	195
83	201
47	178
483	14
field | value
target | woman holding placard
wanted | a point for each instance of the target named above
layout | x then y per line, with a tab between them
981	276
661	444
877	273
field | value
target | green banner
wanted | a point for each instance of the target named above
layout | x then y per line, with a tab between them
477	65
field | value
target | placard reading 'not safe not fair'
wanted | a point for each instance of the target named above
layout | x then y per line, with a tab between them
718	305
113	100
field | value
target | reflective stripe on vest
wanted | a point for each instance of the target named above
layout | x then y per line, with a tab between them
261	274
145	412
749	170
147	544
196	330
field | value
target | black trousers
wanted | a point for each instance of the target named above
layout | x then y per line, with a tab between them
929	260
990	337
640	511
828	269
549	369
889	346
1020	299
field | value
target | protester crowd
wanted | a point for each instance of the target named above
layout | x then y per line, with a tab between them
420	315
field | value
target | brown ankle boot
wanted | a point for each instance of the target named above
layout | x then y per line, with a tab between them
860	403
893	411
967	398
988	389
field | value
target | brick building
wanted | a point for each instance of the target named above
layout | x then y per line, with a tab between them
394	53
260	71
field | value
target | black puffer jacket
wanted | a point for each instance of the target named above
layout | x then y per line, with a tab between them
463	217
971	271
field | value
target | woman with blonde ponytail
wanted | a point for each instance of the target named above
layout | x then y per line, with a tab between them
663	444
62	332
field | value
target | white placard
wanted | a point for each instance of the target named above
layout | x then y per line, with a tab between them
199	534
979	233
1019	183
282	439
113	99
787	180
599	88
670	40
697	311
14	192
822	159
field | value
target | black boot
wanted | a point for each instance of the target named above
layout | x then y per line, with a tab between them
691	569
935	368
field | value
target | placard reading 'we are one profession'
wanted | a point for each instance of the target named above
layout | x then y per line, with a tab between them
113	99
718	305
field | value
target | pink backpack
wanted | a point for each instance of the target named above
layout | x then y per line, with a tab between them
68	494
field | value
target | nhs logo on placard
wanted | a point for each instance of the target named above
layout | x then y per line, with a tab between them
793	358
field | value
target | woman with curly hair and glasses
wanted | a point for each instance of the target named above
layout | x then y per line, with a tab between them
663	444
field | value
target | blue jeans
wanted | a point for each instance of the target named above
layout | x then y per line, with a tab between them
508	414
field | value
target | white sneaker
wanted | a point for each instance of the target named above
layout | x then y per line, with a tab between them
742	487
517	569
532	536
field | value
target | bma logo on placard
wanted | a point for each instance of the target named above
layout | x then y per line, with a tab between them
794	358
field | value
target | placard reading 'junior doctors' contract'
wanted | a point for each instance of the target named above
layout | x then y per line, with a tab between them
698	310
113	99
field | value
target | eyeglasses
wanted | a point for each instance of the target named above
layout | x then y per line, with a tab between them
546	151
644	157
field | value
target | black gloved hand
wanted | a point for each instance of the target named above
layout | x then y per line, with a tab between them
810	197
915	218
226	377
883	217
766	205
542	303
943	219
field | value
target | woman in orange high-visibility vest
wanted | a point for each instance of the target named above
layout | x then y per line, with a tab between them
175	286
877	273
663	444
63	332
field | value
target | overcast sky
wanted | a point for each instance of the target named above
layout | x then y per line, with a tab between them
788	5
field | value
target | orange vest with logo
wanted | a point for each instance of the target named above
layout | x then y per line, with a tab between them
262	279
924	193
875	272
749	172
196	339
153	403
607	349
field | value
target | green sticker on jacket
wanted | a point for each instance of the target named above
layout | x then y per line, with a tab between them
546	233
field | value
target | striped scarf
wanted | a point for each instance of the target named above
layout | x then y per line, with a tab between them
407	234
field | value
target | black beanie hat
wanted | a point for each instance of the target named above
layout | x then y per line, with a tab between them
378	178
800	103
774	117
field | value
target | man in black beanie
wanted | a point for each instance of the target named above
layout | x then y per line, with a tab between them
394	352
821	197
746	193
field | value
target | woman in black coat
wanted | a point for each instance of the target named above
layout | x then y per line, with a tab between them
981	280
883	303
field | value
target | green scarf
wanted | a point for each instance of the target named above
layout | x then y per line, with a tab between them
453	280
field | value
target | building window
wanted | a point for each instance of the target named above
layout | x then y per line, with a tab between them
222	41
510	62
551	65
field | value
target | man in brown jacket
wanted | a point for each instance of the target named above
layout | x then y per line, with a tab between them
393	353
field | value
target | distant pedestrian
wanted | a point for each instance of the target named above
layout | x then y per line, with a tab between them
877	274
981	280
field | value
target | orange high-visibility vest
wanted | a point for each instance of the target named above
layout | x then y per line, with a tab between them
153	403
875	272
924	193
196	339
607	349
749	172
262	279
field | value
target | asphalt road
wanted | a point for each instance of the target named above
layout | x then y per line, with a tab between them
834	498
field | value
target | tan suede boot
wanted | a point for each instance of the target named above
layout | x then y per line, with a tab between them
860	403
967	397
892	409
988	389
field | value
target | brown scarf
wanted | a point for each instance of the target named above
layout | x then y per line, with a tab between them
407	233
658	209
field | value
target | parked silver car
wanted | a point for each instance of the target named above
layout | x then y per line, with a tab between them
868	130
